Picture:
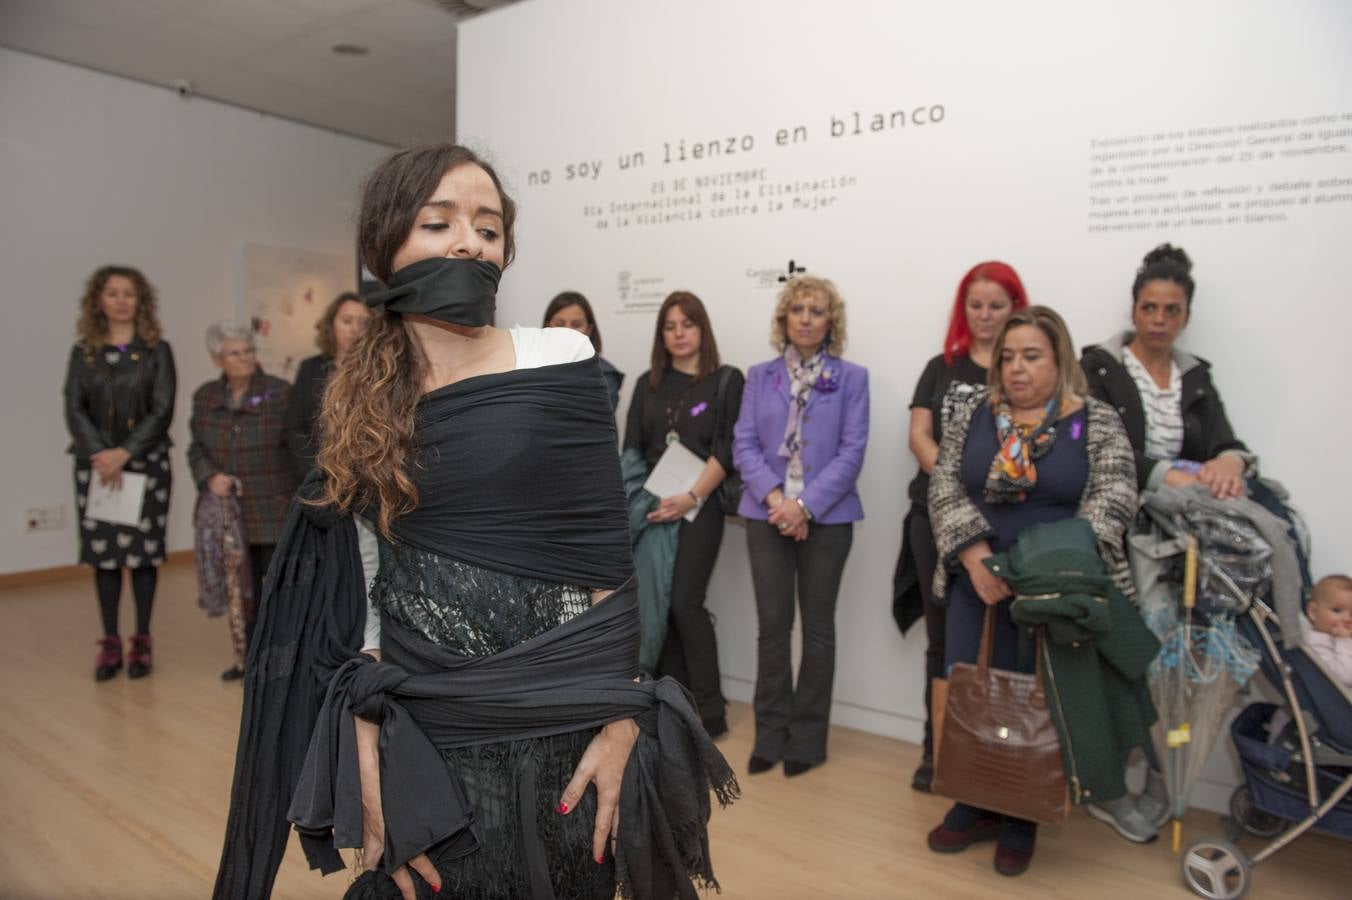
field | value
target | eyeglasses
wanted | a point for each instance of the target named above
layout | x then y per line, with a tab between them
246	353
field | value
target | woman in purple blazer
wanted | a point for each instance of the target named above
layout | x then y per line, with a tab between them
799	445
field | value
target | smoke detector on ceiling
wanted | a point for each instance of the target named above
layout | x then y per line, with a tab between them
464	9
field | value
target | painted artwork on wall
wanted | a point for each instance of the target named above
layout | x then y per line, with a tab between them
283	291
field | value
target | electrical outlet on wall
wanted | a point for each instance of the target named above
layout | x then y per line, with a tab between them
45	518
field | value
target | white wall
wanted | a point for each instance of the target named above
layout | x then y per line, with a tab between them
1026	90
96	169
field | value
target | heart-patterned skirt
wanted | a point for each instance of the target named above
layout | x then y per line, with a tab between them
108	546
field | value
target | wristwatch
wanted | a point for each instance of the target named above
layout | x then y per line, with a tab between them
803	506
699	501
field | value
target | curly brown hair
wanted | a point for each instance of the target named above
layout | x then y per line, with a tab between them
324	337
92	327
370	403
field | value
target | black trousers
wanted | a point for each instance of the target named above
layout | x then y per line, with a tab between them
792	721
926	556
690	653
260	557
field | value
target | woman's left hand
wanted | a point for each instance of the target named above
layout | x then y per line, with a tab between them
108	464
1224	476
603	764
672	508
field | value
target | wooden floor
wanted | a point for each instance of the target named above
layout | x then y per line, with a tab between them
118	790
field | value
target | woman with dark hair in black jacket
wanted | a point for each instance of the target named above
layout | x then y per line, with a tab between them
335	333
120	384
1166	398
1179	434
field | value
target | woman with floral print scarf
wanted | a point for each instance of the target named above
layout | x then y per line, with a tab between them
799	444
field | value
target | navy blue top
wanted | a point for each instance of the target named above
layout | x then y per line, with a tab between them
1061	477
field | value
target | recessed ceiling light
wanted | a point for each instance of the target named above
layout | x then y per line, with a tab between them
345	48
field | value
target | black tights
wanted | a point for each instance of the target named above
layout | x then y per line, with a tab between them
108	583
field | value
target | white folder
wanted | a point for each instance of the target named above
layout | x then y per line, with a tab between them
121	506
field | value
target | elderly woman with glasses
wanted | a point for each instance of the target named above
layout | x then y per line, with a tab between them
239	452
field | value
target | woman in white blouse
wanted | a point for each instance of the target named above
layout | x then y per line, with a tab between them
1179	433
1168	402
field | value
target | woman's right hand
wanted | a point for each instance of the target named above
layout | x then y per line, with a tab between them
220	484
989	587
373	816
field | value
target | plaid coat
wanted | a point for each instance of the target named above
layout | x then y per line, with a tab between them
248	443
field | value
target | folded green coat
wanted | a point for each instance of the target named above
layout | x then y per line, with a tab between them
654	559
1095	654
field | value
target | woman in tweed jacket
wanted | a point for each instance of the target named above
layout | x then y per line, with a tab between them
1030	448
239	446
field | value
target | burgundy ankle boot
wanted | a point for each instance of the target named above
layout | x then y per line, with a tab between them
109	660
138	656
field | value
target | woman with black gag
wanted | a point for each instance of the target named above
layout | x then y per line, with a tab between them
452	719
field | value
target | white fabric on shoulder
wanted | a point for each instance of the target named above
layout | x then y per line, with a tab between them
370	563
536	347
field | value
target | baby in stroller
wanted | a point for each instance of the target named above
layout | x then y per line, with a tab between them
1330	625
1296	757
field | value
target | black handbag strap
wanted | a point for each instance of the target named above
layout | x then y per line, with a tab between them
724	374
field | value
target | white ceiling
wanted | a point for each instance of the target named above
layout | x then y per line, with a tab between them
274	56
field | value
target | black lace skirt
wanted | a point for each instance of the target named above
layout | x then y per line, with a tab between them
478	613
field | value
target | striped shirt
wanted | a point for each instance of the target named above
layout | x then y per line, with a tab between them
1163	408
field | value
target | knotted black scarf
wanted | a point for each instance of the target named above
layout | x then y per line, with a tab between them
576	676
453	290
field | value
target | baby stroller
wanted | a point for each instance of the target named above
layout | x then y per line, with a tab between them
1205	574
1293	782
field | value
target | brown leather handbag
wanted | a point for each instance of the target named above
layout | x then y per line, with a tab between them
999	749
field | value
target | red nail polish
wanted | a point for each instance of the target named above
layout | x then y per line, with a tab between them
600	860
436	889
563	808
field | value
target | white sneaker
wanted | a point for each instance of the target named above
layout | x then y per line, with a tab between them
1126	821
1153	804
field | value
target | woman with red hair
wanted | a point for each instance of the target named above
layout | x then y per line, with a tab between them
988	294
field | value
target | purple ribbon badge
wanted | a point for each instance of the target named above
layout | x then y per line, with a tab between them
258	399
828	381
698	408
1076	428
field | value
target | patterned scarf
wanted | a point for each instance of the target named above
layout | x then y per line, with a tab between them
802	376
224	580
1013	471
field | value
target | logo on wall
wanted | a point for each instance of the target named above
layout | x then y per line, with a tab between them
640	293
772	278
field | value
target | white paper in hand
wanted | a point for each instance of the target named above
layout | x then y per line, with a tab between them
121	506
675	473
